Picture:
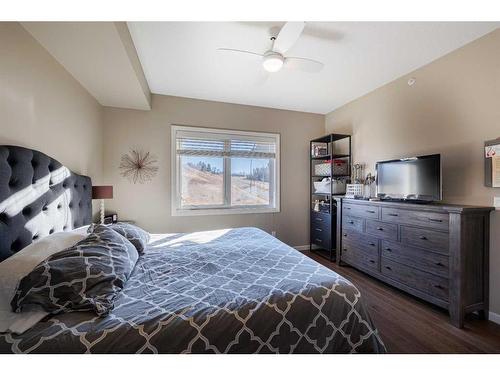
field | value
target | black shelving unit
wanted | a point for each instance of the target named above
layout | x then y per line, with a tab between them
322	239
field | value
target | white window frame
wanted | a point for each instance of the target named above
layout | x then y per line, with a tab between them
177	210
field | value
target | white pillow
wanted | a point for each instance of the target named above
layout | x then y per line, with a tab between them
14	268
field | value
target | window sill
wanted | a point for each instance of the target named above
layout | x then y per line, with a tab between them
223	211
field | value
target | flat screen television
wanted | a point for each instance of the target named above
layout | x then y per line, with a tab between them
410	179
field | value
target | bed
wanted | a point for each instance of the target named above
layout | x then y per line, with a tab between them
228	291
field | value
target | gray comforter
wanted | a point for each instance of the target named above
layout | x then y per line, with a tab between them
230	291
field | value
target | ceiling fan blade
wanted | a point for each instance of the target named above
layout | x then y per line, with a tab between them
287	36
239	51
306	65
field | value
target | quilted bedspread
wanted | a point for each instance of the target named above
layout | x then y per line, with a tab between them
228	291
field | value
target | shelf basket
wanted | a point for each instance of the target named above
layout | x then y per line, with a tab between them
338	166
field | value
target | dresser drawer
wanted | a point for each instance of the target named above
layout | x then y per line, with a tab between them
382	230
322	239
361	240
425	238
426	219
319	229
358	257
352	223
412	256
361	210
430	284
320	218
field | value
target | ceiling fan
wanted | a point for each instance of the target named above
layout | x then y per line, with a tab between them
274	59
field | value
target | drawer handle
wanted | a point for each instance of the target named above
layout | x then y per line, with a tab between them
351	222
345	249
371	244
317	239
388	249
380	228
319	230
347	208
423	238
345	234
392	215
389	268
319	219
439	264
370	211
372	261
438	286
435	220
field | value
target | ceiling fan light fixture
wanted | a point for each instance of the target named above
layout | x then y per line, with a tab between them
272	62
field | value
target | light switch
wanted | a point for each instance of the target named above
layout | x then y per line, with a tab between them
496	202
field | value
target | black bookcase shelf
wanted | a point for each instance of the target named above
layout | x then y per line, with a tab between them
322	239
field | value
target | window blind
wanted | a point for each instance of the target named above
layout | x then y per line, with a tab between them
192	146
225	145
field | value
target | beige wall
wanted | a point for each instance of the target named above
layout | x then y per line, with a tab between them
452	109
43	107
149	204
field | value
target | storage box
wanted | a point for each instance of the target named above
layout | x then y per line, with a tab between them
338	186
322	169
334	186
322	186
340	167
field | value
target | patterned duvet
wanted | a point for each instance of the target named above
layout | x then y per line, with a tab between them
229	291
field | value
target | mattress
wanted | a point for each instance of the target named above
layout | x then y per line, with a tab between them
228	291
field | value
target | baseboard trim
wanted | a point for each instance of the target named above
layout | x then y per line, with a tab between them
301	248
304	247
494	317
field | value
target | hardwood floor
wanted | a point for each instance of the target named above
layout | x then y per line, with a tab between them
409	325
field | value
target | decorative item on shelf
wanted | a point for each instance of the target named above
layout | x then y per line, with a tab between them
492	163
354	190
138	166
357	173
319	149
316	205
102	193
368	182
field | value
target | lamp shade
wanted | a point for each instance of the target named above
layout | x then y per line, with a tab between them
102	192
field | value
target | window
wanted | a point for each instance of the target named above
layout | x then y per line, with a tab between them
224	171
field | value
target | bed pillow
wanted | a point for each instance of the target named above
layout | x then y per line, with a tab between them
85	277
138	236
14	268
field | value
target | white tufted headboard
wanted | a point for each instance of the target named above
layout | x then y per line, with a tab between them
38	196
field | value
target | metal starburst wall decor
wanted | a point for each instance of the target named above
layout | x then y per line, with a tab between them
138	166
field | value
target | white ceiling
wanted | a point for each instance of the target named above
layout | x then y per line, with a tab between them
180	58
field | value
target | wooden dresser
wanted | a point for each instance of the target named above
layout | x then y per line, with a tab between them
436	252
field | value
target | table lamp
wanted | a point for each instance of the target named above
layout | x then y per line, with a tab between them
102	193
